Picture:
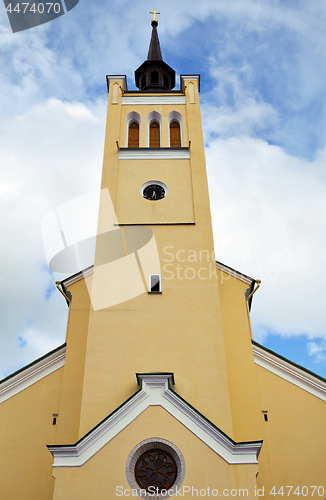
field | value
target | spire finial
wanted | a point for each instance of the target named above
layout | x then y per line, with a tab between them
154	20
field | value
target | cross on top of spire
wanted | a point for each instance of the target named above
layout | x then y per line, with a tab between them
154	18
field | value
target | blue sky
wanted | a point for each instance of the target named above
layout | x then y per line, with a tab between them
263	68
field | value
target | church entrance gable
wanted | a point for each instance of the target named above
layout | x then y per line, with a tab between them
110	473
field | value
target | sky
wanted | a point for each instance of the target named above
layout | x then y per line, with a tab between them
263	71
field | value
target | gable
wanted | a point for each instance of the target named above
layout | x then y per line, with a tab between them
105	474
155	391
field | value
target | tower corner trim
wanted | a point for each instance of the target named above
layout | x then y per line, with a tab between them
117	78
186	78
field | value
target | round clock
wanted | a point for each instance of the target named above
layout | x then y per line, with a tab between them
154	190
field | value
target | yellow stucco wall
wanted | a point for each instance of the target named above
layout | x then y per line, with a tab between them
242	378
105	471
177	207
26	428
73	376
182	327
295	434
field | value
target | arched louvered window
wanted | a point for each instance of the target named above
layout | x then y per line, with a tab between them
133	136
154	135
175	136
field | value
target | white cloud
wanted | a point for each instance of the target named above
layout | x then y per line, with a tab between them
232	109
317	351
49	155
269	218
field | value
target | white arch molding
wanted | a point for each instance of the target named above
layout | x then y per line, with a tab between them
153	116
131	117
174	116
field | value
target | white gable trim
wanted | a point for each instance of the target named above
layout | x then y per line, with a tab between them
155	391
293	374
32	374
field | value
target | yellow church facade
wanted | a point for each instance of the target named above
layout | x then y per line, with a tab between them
159	390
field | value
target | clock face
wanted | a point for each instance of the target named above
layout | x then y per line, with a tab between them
154	192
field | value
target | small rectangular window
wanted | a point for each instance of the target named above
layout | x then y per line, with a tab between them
155	283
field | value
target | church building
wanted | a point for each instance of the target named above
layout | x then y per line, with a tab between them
159	390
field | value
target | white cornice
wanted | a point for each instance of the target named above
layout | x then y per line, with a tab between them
157	154
32	374
293	374
132	100
155	391
234	273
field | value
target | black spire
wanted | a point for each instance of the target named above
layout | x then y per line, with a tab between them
154	75
154	51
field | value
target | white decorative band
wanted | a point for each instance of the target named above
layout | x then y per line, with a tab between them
157	154
133	100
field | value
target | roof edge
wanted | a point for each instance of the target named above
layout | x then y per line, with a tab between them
290	371
32	373
234	273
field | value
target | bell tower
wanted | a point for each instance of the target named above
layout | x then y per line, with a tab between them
149	322
154	171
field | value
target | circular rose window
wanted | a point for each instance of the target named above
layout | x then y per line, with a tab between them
156	468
